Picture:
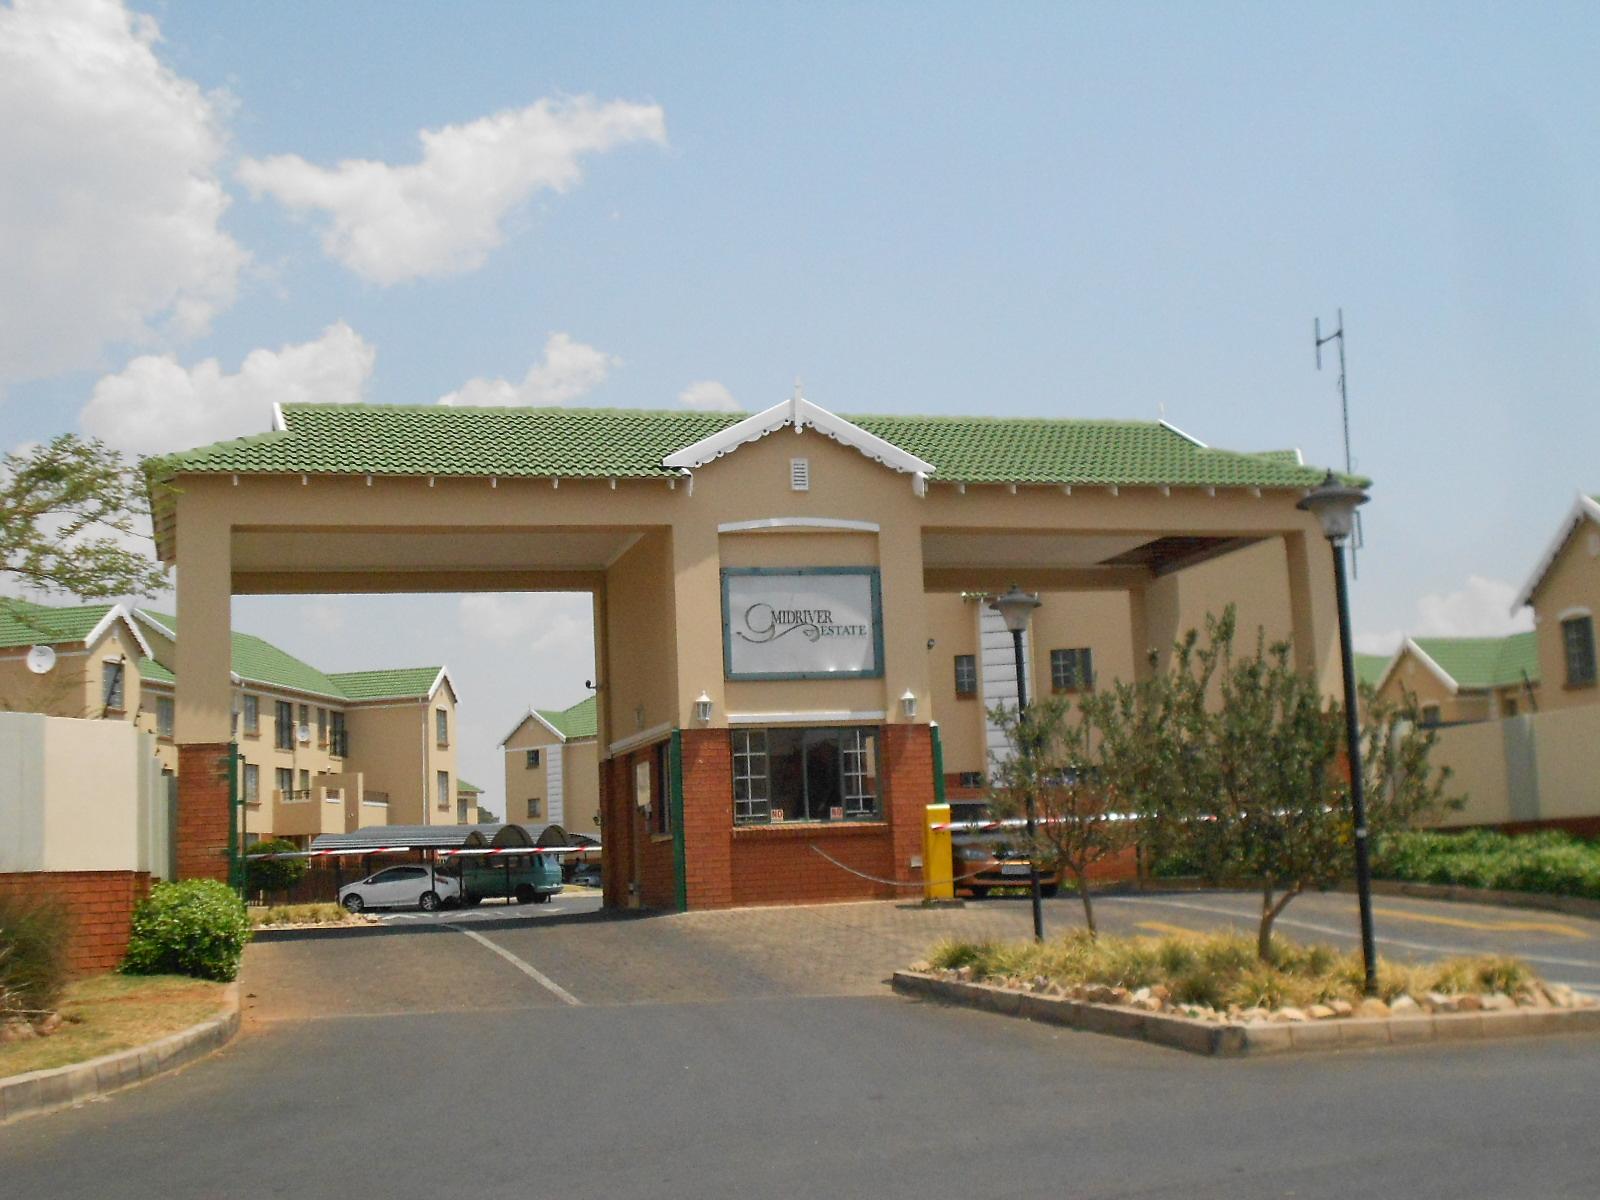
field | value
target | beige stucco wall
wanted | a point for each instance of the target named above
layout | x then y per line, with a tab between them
73	687
80	795
952	623
581	787
1411	675
1571	585
1538	767
393	745
1568	754
1476	757
639	674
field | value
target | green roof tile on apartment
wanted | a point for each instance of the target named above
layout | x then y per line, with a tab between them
579	721
261	662
630	443
463	787
394	683
1370	667
26	624
1485	662
151	671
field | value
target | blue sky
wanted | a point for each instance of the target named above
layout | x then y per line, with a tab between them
1064	210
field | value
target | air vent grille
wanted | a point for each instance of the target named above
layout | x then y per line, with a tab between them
800	474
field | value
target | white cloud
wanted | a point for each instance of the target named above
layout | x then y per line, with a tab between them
709	396
443	214
111	207
568	371
533	620
1480	609
155	404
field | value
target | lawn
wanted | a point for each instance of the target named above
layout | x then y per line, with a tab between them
108	1013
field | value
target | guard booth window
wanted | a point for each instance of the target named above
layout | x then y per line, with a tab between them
805	775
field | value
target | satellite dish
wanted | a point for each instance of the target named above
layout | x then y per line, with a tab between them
305	733
41	659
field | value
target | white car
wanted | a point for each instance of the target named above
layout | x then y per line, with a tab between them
401	887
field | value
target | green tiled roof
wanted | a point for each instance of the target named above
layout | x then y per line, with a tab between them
630	443
465	788
1370	667
1485	662
25	624
579	721
397	683
150	671
261	662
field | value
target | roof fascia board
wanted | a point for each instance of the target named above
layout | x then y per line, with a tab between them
1427	660
534	714
1584	507
798	523
118	612
144	615
799	413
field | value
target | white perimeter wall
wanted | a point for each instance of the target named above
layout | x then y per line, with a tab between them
80	795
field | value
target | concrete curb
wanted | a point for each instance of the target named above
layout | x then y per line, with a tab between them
1239	1040
61	1087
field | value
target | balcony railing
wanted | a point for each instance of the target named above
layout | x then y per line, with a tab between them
293	796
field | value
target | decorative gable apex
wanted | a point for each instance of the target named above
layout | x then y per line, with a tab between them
798	413
1584	508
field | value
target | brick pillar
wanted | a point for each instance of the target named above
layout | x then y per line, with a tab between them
203	811
908	790
708	817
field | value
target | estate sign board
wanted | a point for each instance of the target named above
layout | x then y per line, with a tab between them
801	623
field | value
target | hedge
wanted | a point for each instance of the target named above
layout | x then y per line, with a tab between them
1551	862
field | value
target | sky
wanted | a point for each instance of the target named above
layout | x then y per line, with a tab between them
1070	210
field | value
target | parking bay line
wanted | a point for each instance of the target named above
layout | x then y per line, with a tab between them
526	968
1556	927
1550	960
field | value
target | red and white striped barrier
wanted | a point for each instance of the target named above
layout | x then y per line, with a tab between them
438	851
1015	823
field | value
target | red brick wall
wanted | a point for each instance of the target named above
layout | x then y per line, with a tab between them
99	906
708	817
203	811
774	864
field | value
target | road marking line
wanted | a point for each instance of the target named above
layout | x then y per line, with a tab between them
1400	914
527	969
1175	930
1331	931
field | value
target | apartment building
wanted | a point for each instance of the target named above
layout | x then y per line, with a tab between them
552	768
319	752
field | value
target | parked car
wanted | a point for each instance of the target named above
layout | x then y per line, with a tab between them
587	875
401	887
526	878
989	859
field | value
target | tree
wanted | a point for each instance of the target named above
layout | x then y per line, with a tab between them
1056	759
1238	763
273	874
70	516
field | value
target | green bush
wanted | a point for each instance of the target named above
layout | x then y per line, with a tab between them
1550	862
33	956
273	875
198	927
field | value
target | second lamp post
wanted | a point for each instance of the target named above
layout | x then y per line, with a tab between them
1016	609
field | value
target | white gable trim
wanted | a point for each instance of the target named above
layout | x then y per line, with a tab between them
799	413
1584	508
1410	647
523	720
118	612
1188	437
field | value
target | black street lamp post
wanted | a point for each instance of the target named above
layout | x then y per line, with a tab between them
1335	506
1016	609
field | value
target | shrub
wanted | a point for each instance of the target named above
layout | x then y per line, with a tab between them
273	875
1550	862
33	956
198	927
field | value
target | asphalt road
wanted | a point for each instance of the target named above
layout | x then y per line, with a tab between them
754	1054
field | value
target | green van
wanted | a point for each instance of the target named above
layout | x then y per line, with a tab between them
527	878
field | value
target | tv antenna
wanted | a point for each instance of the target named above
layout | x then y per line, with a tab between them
1344	407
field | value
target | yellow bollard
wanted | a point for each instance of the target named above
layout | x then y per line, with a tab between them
938	868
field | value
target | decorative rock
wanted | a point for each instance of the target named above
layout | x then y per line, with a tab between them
1285	1015
1469	1003
49	1025
1148	1004
1439	1002
1561	995
1498	1002
964	974
1254	1015
921	968
1341	1008
1162	993
1371	1006
1404	1006
1321	1012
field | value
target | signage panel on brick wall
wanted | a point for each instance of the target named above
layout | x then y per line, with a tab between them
801	623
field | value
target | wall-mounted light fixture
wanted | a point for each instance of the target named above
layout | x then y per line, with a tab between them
908	704
702	708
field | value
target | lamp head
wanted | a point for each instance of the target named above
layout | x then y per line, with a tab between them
1334	505
1015	608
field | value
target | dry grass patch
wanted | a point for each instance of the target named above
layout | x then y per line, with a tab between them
1223	972
114	1012
327	913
